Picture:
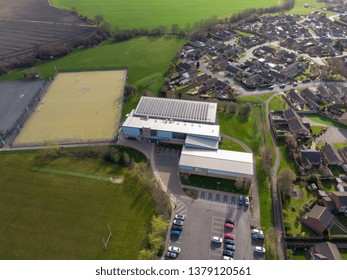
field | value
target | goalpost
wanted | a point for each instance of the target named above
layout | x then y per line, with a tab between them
108	238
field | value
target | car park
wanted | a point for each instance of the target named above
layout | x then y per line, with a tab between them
171	255
230	247
229	236
178	222
241	200
217	239
259	249
175	250
228	253
229	226
230	221
247	201
180	217
229	241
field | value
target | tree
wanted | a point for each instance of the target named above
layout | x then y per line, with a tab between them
129	90
98	20
146	254
197	65
245	109
175	29
126	159
292	145
239	183
285	181
267	159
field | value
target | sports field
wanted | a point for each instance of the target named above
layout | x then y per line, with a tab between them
152	13
78	107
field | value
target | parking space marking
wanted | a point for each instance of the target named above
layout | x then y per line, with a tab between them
232	200
225	199
217	229
202	195
209	196
217	198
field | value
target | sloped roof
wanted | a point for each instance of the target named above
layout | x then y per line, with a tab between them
174	109
331	154
318	218
326	251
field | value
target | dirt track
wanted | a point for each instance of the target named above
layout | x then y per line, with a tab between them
24	25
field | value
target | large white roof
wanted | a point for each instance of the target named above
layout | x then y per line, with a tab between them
172	126
222	160
178	110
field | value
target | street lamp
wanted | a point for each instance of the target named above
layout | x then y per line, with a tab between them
55	68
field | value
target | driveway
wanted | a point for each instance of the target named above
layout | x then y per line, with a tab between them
333	135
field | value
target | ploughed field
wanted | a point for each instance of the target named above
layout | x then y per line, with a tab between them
26	25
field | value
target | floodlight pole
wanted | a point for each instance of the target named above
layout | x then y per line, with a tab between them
55	68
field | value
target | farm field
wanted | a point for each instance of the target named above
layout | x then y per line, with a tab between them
146	59
25	25
152	13
44	215
78	107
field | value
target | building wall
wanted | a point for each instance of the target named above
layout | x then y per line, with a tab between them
130	131
212	173
164	134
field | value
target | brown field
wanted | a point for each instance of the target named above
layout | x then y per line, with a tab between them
78	107
26	25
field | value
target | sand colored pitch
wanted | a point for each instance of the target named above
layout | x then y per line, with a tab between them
78	107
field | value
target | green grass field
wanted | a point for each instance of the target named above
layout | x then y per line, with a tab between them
146	58
152	13
324	120
277	103
230	145
60	212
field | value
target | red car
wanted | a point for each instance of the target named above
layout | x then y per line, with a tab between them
229	236
227	225
157	149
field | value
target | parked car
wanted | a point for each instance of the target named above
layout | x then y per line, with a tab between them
229	241
295	84
157	149
229	236
176	227
228	253
230	221
217	239
270	87
230	247
226	258
247	201
258	231
180	217
259	249
178	222
282	85
241	200
171	255
230	226
257	234
175	232
175	250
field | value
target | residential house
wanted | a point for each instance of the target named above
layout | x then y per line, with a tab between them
318	219
340	200
293	70
234	71
296	98
324	251
208	85
298	128
311	98
331	155
310	159
184	67
324	93
290	114
328	203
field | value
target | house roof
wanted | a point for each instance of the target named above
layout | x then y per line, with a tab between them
221	160
309	94
290	114
297	127
311	157
325	251
331	154
340	197
174	109
318	218
295	97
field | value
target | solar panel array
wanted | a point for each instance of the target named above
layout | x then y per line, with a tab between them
177	110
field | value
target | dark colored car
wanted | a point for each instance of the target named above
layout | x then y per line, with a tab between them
230	221
229	242
171	255
230	247
228	253
176	227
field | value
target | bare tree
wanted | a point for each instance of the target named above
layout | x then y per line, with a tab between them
98	20
267	159
239	183
285	181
